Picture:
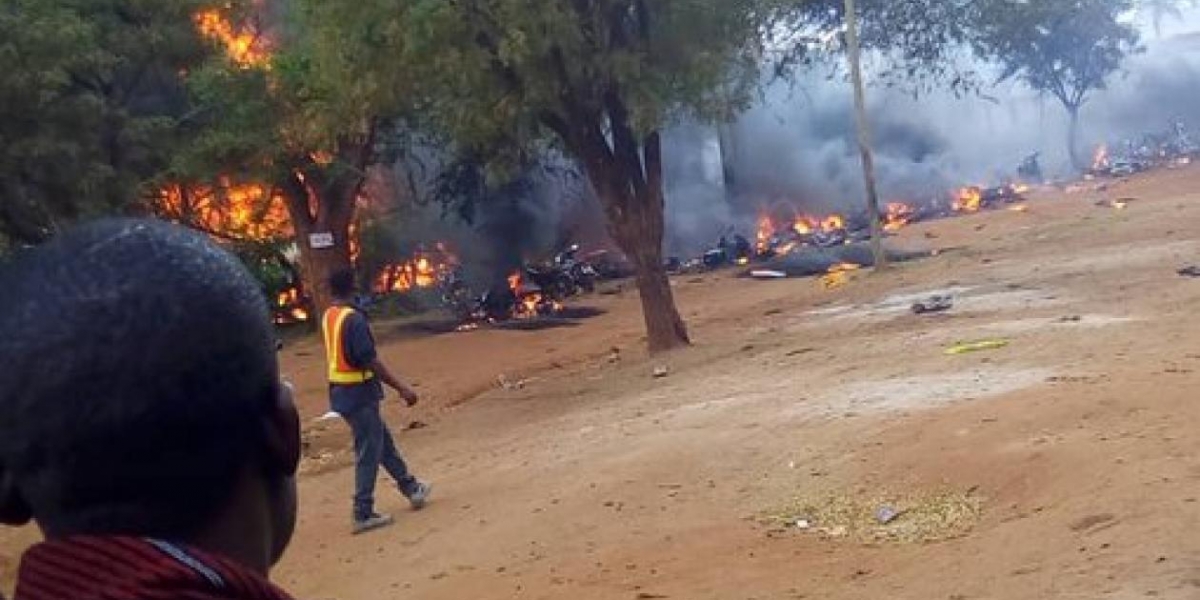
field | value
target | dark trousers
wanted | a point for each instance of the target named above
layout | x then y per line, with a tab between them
373	446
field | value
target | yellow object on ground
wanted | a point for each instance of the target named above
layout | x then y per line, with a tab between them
977	346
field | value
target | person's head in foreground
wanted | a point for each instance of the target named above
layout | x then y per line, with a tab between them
143	425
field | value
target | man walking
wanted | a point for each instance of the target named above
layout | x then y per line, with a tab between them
356	379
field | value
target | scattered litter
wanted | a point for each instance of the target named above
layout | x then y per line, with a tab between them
976	346
329	416
886	514
1070	319
508	384
768	274
933	304
836	531
838	275
1190	271
415	425
661	371
906	518
614	355
1117	204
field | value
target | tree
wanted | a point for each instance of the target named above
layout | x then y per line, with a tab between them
94	106
1160	10
596	78
270	122
853	50
1066	48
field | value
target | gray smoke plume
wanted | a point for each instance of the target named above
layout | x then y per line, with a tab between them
798	147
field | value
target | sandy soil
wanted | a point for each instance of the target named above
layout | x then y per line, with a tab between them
583	476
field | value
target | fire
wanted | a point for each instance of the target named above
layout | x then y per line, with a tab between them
762	238
968	200
530	304
833	223
897	216
242	44
250	212
423	270
809	224
1100	159
290	307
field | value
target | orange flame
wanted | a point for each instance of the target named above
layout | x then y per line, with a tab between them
424	270
242	44
833	223
804	225
898	215
246	211
969	200
290	307
762	238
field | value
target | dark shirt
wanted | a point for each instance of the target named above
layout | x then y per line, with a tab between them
128	568
358	345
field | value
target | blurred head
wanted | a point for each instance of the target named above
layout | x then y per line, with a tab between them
341	284
140	392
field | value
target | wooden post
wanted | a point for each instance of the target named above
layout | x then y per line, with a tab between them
854	52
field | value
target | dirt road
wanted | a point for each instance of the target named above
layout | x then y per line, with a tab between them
587	477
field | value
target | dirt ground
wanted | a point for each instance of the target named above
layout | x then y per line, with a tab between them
563	469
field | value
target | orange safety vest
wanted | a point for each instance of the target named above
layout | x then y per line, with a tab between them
340	370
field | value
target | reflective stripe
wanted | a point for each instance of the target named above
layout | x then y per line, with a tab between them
189	561
340	370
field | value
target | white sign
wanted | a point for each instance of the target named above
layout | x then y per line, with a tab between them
320	241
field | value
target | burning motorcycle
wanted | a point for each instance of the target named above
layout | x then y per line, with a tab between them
564	276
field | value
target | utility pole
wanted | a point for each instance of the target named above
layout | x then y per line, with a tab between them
854	52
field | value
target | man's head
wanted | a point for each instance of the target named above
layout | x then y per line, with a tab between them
341	284
139	393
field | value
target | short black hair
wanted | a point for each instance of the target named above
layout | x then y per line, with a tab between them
341	283
138	365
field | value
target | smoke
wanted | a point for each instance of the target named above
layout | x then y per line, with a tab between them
492	230
798	147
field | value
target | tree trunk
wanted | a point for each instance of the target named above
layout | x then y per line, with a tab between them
864	137
1073	139
629	183
315	210
318	264
636	236
727	143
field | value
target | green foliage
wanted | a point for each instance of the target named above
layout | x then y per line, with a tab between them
490	75
919	41
93	104
1065	48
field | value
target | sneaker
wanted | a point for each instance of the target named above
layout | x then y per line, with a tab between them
420	496
371	523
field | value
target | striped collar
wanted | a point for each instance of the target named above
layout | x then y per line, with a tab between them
126	568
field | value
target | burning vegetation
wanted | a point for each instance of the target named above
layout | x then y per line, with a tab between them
426	269
244	44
